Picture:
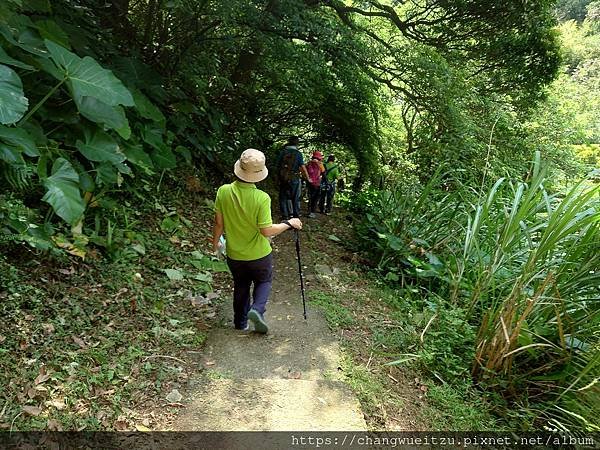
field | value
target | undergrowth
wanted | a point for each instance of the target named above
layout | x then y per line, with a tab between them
98	344
379	325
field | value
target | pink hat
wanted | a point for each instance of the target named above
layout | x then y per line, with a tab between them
318	155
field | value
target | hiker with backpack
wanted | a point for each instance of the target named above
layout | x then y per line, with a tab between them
290	166
328	182
243	212
315	169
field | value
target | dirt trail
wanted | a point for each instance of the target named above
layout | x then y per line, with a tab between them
285	381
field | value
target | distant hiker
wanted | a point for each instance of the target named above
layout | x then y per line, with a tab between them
328	182
314	168
243	212
289	166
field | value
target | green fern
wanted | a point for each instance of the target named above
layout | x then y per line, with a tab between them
18	177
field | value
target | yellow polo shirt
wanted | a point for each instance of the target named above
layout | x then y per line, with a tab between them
243	220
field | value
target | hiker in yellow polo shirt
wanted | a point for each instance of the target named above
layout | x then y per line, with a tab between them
244	213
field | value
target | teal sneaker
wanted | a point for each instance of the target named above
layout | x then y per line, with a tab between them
259	322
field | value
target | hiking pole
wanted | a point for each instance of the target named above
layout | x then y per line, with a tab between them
300	270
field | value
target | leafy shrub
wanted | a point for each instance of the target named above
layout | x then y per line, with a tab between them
21	224
74	129
432	335
519	265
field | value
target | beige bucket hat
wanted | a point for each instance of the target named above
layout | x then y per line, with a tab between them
251	166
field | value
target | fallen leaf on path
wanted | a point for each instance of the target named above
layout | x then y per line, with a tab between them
32	410
57	403
295	375
199	301
79	341
174	274
42	377
121	425
174	396
142	428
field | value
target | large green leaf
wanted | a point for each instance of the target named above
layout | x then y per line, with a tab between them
88	79
164	158
111	116
63	192
13	102
47	66
101	147
20	139
137	155
11	155
20	31
153	135
136	72
107	175
9	61
146	108
49	29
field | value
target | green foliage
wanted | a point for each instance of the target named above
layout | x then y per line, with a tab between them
572	9
458	408
337	315
494	259
21	224
63	191
12	100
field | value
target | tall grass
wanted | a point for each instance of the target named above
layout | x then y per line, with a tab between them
534	268
524	263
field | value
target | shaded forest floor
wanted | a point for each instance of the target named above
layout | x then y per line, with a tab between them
114	343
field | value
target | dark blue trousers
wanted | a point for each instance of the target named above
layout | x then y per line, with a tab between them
245	273
289	191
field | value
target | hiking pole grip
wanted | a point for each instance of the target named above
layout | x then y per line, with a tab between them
297	234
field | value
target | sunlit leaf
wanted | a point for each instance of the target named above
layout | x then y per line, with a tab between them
173	274
101	147
112	116
63	191
13	103
88	79
19	139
